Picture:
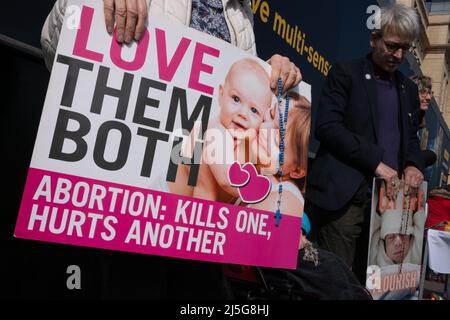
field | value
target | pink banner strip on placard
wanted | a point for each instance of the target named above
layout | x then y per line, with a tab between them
75	210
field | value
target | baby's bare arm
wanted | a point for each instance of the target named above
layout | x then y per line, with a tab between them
220	173
207	187
218	156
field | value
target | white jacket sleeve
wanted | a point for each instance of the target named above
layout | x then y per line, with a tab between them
51	30
178	10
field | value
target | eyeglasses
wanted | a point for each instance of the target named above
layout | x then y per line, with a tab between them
427	91
392	47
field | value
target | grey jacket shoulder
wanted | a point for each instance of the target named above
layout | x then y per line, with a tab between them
51	30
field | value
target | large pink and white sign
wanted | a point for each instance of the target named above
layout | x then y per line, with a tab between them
111	166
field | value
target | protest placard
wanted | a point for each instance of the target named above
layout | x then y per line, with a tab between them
396	242
119	160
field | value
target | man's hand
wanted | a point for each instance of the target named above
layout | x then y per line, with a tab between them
390	177
283	68
413	178
130	17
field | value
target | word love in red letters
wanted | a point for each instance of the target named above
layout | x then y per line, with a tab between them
166	69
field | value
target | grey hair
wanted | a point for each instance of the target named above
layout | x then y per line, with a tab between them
400	20
423	82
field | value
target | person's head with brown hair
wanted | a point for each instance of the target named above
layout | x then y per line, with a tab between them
424	85
297	137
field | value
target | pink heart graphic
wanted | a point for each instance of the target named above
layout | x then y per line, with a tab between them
257	188
236	176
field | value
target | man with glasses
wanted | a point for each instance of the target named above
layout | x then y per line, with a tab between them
367	123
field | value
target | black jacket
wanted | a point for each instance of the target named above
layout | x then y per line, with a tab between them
331	279
346	127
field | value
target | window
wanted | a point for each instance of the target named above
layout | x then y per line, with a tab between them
438	6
